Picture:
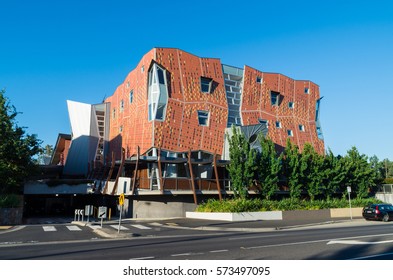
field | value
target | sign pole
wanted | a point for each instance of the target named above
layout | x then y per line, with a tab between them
121	202
349	198
121	210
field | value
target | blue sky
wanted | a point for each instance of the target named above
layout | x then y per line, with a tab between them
51	51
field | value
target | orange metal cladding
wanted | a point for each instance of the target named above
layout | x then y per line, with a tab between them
180	130
256	103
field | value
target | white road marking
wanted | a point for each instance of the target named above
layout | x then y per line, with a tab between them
186	254
121	227
372	256
141	226
218	251
94	226
143	258
74	228
49	228
357	242
156	224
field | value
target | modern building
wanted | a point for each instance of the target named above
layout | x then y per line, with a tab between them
163	131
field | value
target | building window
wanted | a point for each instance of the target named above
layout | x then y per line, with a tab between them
259	80
306	90
206	84
291	105
278	124
114	113
121	105
265	122
131	96
203	118
301	127
143	68
121	129
290	133
275	98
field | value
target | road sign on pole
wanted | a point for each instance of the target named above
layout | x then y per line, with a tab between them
349	190
102	213
121	199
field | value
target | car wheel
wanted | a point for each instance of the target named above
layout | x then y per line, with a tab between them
385	218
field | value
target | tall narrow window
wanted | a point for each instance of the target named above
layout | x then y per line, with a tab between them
206	84
157	93
114	113
121	105
131	96
306	90
278	124
290	133
275	98
203	118
301	127
259	80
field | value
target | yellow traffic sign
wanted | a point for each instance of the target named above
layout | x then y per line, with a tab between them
121	199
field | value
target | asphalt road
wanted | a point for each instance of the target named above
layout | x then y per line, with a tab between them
185	240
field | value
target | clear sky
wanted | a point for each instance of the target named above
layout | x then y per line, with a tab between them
51	51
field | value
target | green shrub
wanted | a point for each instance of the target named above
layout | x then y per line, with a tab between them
255	205
9	201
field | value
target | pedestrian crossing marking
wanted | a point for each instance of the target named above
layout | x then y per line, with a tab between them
141	226
74	228
49	228
121	227
94	226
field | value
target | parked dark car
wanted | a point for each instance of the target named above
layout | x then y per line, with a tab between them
382	212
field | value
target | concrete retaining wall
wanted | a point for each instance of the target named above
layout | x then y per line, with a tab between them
278	215
244	216
345	212
11	216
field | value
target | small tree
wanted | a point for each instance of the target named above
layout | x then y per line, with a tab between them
334	174
360	174
313	173
16	149
269	167
293	169
242	164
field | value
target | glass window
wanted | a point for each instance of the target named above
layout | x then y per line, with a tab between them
291	105
278	124
114	113
259	80
274	98
121	105
160	74
203	118
131	95
306	90
290	133
301	127
206	84
265	122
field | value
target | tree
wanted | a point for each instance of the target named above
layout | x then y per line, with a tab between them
312	171
269	167
242	165
16	149
334	174
361	176
293	169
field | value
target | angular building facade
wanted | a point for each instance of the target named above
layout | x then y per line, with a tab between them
164	128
